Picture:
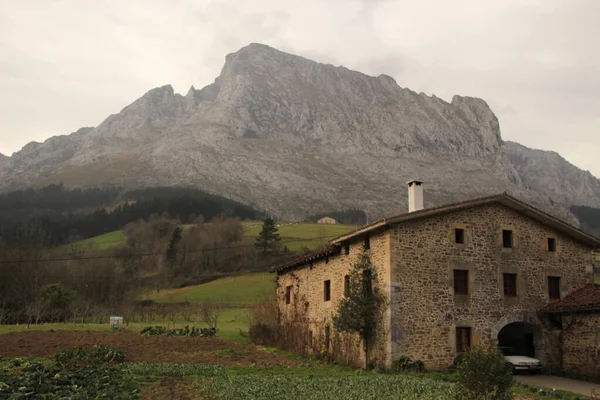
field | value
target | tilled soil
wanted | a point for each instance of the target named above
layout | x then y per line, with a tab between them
138	348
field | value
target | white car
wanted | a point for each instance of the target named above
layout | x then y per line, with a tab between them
521	363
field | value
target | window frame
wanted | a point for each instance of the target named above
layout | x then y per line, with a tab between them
463	332
508	242
459	235
510	290
327	290
553	291
288	294
456	274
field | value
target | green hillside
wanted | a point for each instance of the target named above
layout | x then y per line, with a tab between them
244	289
293	235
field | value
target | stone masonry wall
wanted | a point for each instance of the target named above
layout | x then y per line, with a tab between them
425	311
308	293
581	354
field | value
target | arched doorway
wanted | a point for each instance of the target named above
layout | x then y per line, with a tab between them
519	338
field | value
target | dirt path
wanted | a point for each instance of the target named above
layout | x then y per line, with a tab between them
558	383
153	349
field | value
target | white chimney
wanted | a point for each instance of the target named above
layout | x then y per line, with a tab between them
415	195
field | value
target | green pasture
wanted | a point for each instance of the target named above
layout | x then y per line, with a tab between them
243	289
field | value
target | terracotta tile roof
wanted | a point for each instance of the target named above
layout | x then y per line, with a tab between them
584	298
504	199
317	255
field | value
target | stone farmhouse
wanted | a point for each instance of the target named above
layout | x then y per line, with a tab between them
478	272
327	220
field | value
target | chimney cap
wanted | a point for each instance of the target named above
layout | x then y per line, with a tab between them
415	182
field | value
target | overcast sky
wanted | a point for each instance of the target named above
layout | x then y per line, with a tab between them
65	64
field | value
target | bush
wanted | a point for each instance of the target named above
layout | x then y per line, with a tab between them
405	363
86	357
484	374
186	332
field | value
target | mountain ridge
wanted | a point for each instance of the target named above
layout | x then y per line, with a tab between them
295	137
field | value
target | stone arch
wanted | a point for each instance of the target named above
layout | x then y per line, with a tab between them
523	318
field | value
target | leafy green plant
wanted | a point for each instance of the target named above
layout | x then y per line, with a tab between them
358	312
33	380
186	331
172	370
406	363
483	374
85	357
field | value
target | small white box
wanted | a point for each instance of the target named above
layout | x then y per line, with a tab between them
116	322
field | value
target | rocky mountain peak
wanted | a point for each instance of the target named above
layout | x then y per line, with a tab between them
296	137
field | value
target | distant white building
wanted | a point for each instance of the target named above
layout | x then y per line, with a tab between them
327	220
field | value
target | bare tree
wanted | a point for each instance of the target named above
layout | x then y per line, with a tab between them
210	313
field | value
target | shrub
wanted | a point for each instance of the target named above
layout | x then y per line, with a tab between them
86	357
186	332
484	374
405	363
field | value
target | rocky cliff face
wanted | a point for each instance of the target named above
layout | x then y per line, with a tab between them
295	137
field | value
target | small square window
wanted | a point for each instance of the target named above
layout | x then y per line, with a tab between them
510	284
461	281
459	236
346	248
552	244
327	290
463	339
507	239
367	242
346	285
288	294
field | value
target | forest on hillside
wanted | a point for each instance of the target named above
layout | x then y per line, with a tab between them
55	215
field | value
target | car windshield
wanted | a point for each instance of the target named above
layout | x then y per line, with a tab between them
508	351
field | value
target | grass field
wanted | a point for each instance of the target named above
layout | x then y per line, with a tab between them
293	235
243	289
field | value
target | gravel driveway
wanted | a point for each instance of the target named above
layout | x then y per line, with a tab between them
558	383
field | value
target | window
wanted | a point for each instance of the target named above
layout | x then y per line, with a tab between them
346	285
507	239
461	281
327	291
554	287
367	242
459	236
288	294
552	244
510	284
346	248
463	339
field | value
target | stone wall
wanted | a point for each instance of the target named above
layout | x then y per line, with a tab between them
425	310
307	284
581	345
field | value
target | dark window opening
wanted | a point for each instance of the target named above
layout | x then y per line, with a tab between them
367	242
461	281
507	239
554	287
463	339
327	291
288	294
346	248
510	284
551	244
459	236
367	282
346	285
